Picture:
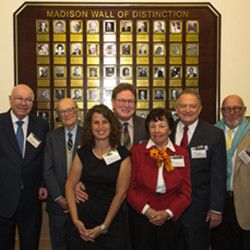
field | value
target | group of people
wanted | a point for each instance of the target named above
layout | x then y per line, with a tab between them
185	184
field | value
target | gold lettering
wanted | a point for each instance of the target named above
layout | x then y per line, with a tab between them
67	13
102	14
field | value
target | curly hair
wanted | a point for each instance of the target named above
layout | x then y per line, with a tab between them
157	114
115	127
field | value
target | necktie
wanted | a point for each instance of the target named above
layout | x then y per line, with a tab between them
184	140
19	135
229	138
126	137
70	141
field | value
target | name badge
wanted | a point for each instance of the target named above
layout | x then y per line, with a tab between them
111	157
199	152
33	140
177	161
245	156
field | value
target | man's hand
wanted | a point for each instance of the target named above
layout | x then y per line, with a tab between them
214	219
63	204
43	193
80	194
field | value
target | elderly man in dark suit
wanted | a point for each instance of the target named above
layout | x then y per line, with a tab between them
206	146
61	146
21	156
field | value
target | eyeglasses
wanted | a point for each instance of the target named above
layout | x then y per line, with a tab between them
124	101
235	109
20	99
68	111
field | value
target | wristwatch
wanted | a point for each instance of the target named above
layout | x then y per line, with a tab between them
103	228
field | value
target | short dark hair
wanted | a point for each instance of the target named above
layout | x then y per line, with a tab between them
157	114
115	126
121	87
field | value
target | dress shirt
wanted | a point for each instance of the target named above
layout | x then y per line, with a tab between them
130	129
24	127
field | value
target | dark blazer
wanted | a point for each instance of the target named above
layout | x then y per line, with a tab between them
18	175
140	133
208	175
55	165
142	188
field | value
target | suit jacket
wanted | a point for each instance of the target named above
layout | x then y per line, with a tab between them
208	174
140	133
55	165
241	185
20	178
142	189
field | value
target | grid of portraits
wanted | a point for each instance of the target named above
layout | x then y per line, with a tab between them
86	58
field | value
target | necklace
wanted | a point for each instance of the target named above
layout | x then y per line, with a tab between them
101	153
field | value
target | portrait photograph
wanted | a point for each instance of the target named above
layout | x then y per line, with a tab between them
142	94
109	71
175	72
44	114
159	49
126	49
93	49
159	26
109	26
93	71
175	26
174	93
159	71
126	26
142	26
191	72
192	49
75	26
43	72
159	94
142	71
76	71
60	71
109	49
192	26
126	71
59	26
142	49
92	26
142	113
43	94
59	94
175	49
59	49
76	49
76	94
42	26
42	49
93	94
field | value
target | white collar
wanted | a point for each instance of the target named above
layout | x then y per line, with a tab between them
170	145
15	119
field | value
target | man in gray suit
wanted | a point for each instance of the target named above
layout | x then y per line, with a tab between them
206	146
61	146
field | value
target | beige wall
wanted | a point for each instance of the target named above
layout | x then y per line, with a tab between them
235	52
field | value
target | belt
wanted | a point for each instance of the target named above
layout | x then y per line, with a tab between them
230	194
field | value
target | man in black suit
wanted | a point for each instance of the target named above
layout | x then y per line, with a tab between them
60	148
206	146
21	156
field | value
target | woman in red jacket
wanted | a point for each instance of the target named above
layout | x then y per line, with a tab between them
160	188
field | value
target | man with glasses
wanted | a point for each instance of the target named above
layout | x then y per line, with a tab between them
206	146
21	161
60	148
234	231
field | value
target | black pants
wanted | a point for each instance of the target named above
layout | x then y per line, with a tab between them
229	235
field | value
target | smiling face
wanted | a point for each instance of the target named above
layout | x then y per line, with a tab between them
100	127
21	100
124	105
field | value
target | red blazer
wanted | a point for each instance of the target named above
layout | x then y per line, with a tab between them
142	189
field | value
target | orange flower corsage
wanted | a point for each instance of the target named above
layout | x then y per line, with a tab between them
161	156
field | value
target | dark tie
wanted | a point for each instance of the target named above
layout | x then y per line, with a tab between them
70	141
126	137
184	140
19	135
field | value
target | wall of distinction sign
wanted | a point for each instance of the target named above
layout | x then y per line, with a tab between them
83	50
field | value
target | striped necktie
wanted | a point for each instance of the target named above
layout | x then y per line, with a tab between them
126	137
70	141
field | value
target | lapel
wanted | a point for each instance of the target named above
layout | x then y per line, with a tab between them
61	151
78	139
198	135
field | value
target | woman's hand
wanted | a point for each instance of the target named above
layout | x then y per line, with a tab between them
93	233
159	217
82	230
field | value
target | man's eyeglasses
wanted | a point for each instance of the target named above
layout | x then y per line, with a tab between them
20	99
235	109
68	111
124	101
